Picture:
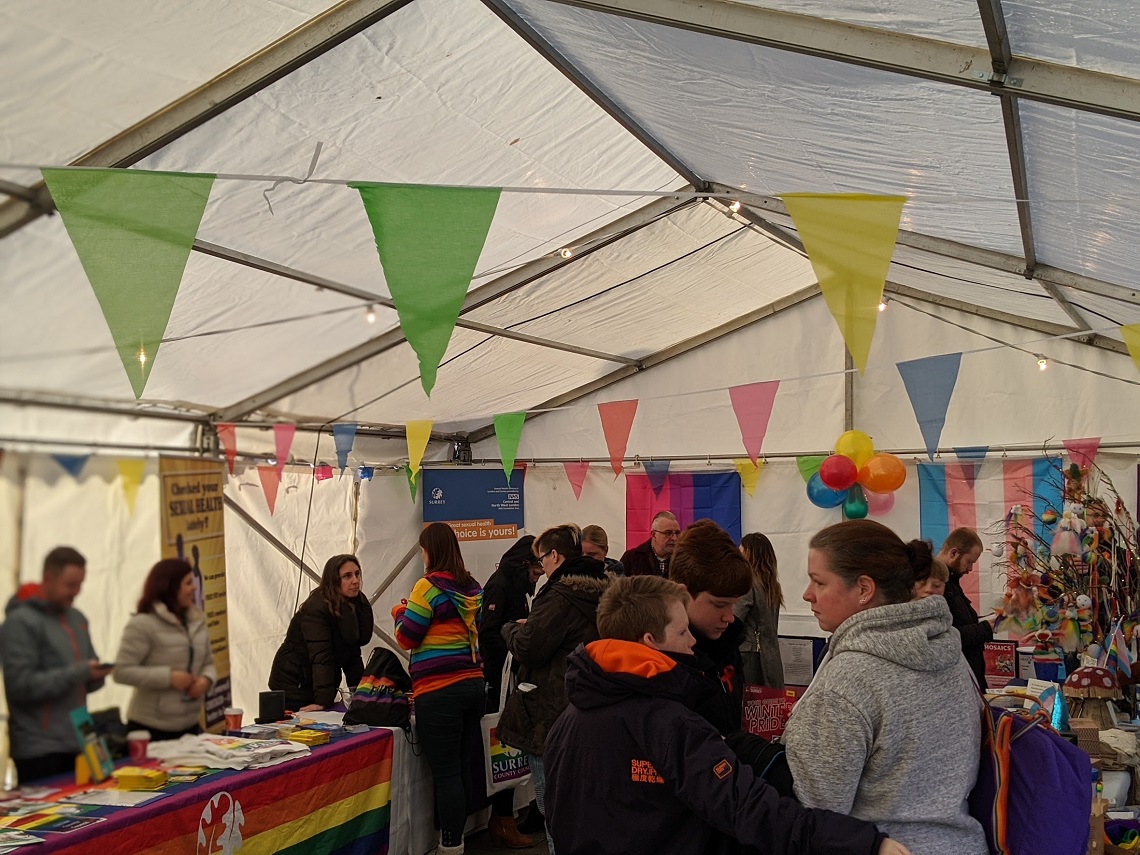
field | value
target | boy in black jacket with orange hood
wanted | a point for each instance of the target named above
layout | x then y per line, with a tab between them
631	769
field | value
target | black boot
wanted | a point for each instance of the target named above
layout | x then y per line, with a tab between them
534	822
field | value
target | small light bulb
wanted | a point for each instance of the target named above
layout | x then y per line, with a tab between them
370	315
734	207
882	305
142	357
566	252
1042	363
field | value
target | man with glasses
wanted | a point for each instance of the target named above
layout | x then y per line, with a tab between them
652	557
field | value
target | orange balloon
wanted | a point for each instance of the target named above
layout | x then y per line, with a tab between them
883	473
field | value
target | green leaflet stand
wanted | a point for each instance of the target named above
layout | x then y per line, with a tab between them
93	763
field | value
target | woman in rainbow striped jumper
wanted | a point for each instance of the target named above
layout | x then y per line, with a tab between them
437	623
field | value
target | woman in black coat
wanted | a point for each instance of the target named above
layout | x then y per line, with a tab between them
562	616
506	597
324	639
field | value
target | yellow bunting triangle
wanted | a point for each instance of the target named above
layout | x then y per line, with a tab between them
418	434
1131	336
749	473
849	238
131	471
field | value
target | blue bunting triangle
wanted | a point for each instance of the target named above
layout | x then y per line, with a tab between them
929	384
344	435
72	463
656	471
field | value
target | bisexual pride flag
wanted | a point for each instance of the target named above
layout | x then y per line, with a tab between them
690	496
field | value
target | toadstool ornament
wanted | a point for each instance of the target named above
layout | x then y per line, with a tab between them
1091	681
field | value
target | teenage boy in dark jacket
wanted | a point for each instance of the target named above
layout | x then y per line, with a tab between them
631	769
716	575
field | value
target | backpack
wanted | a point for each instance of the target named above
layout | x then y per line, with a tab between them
1033	795
381	698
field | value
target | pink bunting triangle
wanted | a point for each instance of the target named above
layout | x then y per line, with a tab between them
283	440
617	421
1083	451
228	438
576	472
752	404
270	484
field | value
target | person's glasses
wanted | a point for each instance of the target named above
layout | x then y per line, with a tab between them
668	534
542	557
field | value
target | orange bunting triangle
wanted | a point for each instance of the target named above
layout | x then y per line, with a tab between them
617	422
270	484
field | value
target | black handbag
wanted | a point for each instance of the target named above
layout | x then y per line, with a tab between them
381	698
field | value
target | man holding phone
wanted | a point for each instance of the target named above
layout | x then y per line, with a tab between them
50	666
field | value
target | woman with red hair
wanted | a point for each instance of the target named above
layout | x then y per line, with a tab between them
165	654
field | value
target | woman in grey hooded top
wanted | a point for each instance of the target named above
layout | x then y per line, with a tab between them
890	728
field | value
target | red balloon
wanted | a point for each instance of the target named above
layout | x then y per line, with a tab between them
838	472
883	473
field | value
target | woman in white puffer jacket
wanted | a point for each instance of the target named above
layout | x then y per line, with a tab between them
165	654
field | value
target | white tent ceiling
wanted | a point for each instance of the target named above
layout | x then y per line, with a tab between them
1023	188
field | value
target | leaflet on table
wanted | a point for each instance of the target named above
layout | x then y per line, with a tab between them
55	822
226	752
113	797
11	813
322	716
10	841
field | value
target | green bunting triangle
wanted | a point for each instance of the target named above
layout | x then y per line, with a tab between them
429	240
508	431
132	231
809	465
413	480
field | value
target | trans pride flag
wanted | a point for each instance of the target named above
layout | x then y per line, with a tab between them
978	496
690	496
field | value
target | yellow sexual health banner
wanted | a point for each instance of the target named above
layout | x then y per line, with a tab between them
193	529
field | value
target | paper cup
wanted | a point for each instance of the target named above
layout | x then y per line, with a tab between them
233	718
137	742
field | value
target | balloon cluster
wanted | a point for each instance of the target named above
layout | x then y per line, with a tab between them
857	478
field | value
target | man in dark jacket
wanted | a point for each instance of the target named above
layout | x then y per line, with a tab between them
631	769
960	554
50	667
652	557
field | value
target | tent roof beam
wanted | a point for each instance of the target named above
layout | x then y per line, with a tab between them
679	349
480	296
1020	321
913	56
246	260
1001	58
48	401
989	258
616	112
248	77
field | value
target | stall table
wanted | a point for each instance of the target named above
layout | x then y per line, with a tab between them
339	799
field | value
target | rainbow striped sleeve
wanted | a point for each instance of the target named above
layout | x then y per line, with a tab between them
413	623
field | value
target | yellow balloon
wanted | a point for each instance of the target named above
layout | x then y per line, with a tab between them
855	445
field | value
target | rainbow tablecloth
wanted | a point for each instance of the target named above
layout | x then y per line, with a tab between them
337	801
